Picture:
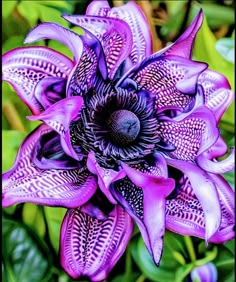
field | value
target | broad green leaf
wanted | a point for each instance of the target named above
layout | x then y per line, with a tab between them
32	216
25	257
230	246
54	217
11	140
48	14
225	47
30	11
183	272
7	7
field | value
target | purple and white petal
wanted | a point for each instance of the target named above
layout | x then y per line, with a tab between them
143	194
218	149
170	80
25	67
185	215
114	34
206	192
91	247
206	273
25	182
191	134
98	8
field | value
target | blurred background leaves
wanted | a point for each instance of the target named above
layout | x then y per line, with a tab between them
30	234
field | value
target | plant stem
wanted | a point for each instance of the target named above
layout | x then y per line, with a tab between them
141	278
12	117
190	248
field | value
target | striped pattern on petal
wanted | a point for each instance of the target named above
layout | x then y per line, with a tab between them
91	247
25	182
25	67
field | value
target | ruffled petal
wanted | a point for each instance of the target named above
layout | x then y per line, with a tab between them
59	117
185	215
191	134
206	192
91	247
114	35
170	80
25	67
25	182
98	8
50	90
143	197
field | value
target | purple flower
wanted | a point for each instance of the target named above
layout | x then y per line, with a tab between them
128	136
204	273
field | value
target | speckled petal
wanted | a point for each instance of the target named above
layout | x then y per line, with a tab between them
114	35
25	67
171	80
143	196
206	192
191	134
185	215
98	8
25	182
91	247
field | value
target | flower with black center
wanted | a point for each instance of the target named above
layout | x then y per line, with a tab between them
127	136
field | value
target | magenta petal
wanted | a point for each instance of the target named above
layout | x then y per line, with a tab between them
114	35
25	67
53	187
206	192
183	45
91	247
218	149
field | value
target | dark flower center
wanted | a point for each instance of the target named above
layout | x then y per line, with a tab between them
124	126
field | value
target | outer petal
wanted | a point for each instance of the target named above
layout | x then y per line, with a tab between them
25	67
53	187
185	215
168	79
59	117
191	134
98	8
114	35
206	192
144	200
91	247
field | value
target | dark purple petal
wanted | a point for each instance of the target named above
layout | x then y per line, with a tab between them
98	8
206	192
50	90
143	197
168	79
184	44
206	273
25	182
215	166
191	134
185	215
91	247
25	67
59	117
114	35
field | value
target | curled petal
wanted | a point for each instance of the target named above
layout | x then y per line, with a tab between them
98	8
144	200
25	67
219	167
25	182
59	117
218	149
114	35
206	192
91	247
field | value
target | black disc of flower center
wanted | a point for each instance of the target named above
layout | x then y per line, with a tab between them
124	126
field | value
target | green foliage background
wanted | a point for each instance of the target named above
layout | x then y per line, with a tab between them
30	233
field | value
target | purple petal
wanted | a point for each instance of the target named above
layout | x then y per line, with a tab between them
144	200
59	117
215	166
191	134
206	192
206	273
114	35
25	67
105	176
170	80
132	14
25	182
184	212
50	90
218	149
98	8
184	44
91	247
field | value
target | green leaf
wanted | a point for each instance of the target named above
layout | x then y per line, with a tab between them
225	47
54	217
183	272
230	246
29	11
8	7
32	216
25	257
